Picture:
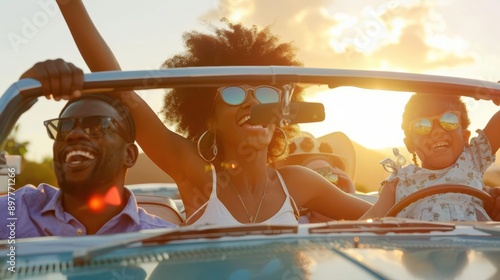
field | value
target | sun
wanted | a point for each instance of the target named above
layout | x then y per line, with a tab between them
371	118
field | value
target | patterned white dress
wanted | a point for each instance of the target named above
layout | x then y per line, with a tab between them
467	170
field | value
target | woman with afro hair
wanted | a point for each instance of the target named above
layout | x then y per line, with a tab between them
222	165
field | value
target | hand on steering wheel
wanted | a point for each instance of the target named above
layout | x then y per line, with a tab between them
488	202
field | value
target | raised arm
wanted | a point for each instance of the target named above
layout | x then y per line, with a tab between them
152	135
491	131
89	41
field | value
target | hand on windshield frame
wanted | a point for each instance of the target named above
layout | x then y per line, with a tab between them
59	79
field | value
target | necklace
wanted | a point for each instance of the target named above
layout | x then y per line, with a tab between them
251	218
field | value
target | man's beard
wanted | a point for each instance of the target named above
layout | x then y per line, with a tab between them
99	180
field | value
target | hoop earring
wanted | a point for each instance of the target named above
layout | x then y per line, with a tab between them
213	147
286	144
415	159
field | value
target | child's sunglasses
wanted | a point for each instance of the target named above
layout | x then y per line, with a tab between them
448	121
93	126
236	95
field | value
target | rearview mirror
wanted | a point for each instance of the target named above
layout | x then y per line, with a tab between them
300	112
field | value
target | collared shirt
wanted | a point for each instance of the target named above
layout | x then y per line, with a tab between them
39	212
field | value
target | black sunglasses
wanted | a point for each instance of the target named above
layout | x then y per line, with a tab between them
93	126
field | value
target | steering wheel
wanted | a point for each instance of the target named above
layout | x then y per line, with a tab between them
488	202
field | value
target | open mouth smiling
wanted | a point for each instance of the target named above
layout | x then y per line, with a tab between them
440	145
78	157
244	122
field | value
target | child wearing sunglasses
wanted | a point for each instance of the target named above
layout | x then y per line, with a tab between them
435	128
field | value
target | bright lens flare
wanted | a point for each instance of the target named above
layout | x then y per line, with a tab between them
113	197
97	202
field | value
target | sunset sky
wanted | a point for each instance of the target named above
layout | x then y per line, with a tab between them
444	37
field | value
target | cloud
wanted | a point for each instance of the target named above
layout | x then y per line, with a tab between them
403	35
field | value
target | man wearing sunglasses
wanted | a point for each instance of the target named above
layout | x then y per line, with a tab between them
93	148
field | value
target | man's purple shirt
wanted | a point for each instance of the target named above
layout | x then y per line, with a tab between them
39	212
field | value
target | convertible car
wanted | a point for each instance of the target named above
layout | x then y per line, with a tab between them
386	248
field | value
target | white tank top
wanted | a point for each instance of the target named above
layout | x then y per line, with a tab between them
216	212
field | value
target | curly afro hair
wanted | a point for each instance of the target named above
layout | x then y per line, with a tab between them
420	100
188	109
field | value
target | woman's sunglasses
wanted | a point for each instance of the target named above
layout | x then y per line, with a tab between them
448	121
93	126
236	95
